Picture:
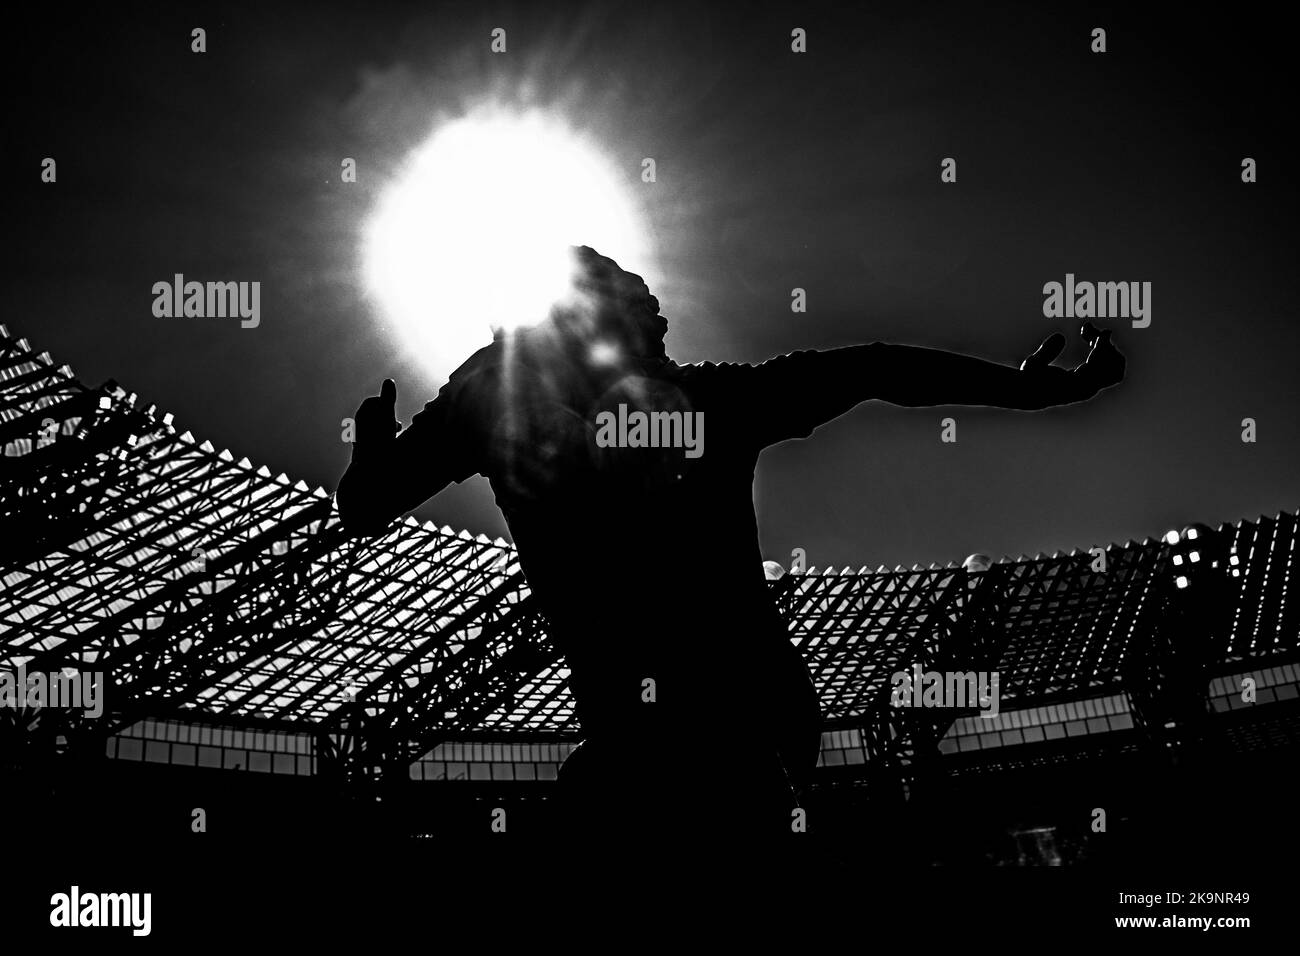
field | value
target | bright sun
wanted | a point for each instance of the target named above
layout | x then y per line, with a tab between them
474	233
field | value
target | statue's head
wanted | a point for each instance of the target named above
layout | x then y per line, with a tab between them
608	311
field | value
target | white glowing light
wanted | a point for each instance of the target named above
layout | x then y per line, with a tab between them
604	353
474	234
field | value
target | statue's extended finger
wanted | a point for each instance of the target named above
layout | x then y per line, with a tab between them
1046	353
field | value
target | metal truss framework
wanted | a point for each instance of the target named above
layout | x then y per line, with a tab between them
202	584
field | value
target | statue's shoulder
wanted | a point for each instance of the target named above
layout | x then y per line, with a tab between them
477	370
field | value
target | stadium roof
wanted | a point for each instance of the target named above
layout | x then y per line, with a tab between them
201	582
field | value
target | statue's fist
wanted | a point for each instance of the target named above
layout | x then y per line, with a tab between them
377	417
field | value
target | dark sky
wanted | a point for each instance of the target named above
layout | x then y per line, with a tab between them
774	171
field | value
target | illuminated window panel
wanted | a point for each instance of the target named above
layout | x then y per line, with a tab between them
1099	715
453	760
1272	685
187	745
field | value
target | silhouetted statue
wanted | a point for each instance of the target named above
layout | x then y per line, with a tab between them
697	711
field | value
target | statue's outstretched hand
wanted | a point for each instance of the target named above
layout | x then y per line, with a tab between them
1104	365
1053	385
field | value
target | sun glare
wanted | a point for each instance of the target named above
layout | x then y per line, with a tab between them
474	232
